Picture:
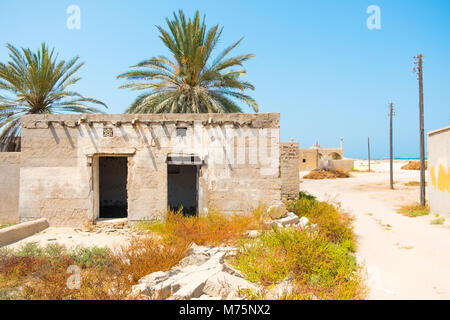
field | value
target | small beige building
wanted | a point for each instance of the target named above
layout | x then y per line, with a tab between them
438	191
75	169
318	157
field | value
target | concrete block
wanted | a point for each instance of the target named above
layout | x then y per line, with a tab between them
20	231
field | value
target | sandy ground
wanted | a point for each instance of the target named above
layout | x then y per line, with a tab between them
404	258
112	234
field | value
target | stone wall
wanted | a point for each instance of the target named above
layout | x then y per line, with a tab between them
239	155
289	170
438	190
345	164
9	186
308	159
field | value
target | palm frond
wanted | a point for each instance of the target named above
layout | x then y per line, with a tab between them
37	83
186	83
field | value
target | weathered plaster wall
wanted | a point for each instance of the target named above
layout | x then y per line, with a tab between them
289	171
59	163
345	164
438	190
9	186
308	159
319	158
330	153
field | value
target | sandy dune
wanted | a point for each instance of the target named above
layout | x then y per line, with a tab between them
405	258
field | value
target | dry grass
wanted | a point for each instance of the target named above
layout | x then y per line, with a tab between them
41	273
438	221
321	264
335	225
318	174
414	183
213	229
413	165
414	210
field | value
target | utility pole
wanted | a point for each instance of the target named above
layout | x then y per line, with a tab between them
418	69
391	162
368	150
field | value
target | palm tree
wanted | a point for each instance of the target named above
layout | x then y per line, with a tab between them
36	83
188	83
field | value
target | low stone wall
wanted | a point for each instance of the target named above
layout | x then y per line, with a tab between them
20	231
308	159
289	170
346	165
438	191
9	186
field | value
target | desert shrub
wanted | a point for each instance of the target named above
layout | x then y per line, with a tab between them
414	210
93	256
335	225
413	165
317	174
438	221
306	195
318	266
33	272
212	229
147	255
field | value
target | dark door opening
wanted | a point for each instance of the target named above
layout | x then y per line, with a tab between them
182	188
113	172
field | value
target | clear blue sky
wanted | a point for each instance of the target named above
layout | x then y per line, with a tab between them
316	61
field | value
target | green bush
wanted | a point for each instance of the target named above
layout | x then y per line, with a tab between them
90	257
317	265
336	226
438	221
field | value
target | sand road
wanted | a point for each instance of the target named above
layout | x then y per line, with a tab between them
404	258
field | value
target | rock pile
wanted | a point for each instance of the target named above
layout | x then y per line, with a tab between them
203	274
282	218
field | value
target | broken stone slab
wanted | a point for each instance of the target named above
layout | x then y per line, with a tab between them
188	279
288	220
196	249
192	285
277	211
303	223
252	234
229	269
226	285
193	259
284	288
276	224
206	297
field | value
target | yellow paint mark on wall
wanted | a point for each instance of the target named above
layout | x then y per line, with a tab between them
442	181
433	177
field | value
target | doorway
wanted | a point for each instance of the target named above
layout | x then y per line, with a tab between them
113	173
182	188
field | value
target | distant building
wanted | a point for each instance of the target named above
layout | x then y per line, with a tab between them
317	157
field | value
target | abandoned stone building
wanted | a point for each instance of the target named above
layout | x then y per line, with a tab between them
318	157
75	169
